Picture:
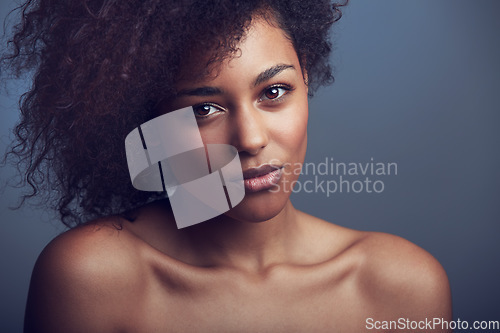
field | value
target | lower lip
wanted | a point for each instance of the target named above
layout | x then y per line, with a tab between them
263	182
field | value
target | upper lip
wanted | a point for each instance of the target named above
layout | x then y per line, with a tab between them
259	171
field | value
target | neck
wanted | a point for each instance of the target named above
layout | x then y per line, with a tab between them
246	245
223	241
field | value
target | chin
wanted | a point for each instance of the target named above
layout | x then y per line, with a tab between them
259	207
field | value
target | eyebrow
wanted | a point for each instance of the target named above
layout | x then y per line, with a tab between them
212	91
270	73
201	91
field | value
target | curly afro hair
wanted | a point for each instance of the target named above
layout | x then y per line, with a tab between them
100	66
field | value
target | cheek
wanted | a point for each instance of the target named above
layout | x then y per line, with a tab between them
217	132
291	129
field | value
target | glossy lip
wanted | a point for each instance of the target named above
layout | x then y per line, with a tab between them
261	178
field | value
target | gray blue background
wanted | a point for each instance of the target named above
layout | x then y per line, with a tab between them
418	84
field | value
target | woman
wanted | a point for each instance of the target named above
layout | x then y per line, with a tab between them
102	69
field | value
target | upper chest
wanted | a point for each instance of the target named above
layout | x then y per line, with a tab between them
285	300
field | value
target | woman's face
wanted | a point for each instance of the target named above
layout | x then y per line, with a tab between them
258	103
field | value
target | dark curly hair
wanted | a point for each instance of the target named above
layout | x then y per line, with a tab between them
100	66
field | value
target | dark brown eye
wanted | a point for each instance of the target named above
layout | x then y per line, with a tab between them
272	93
205	110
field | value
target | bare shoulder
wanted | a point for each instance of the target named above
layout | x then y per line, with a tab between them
394	278
399	277
83	279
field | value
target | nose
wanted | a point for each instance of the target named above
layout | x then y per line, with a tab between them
249	130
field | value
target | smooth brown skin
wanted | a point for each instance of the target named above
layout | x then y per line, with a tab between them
262	267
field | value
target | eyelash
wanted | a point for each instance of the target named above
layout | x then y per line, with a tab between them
287	89
202	105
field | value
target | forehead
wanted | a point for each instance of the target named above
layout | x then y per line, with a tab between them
263	45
